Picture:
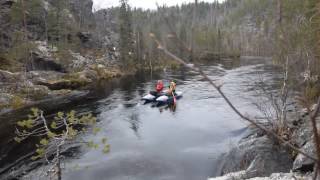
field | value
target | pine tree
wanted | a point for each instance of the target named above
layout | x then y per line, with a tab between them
21	45
314	16
126	36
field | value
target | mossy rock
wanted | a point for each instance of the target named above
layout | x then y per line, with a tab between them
106	73
60	92
17	102
9	101
66	83
35	92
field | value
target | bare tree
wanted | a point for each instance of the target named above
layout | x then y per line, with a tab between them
273	104
193	29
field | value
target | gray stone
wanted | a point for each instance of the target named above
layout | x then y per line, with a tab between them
302	133
84	36
39	62
42	59
257	155
302	163
9	77
5	99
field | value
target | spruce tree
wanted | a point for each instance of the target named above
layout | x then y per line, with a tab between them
126	36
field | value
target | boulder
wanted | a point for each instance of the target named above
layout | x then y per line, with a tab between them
5	99
257	155
84	36
303	133
42	59
302	163
9	77
39	62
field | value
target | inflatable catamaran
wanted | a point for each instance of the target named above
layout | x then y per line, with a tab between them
161	98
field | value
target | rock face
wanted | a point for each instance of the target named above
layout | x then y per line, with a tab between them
258	156
9	77
82	30
82	11
107	29
85	55
42	59
79	13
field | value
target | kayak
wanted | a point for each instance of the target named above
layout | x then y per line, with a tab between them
161	98
169	100
152	96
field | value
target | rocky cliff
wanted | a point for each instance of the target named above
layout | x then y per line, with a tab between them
55	45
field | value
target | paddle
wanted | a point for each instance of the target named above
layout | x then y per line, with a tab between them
174	98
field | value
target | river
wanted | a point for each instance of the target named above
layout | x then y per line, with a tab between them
150	143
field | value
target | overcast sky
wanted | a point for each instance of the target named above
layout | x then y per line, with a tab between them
98	4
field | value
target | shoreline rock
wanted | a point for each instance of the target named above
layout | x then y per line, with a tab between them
257	157
276	176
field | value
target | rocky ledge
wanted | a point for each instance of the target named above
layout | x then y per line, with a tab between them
47	77
259	157
21	89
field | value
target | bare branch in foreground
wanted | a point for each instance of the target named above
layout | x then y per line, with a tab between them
218	88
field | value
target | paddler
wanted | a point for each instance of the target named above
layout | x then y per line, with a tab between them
159	88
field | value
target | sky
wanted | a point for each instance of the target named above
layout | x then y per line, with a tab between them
145	4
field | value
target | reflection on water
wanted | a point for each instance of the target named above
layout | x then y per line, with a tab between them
135	123
168	143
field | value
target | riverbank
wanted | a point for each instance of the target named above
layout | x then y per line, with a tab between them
259	157
24	89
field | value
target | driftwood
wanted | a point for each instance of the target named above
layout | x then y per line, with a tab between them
218	88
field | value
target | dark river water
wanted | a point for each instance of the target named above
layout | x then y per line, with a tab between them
149	143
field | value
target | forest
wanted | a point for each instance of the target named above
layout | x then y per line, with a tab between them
239	90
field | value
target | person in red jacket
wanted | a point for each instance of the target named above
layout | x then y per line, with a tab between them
159	86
